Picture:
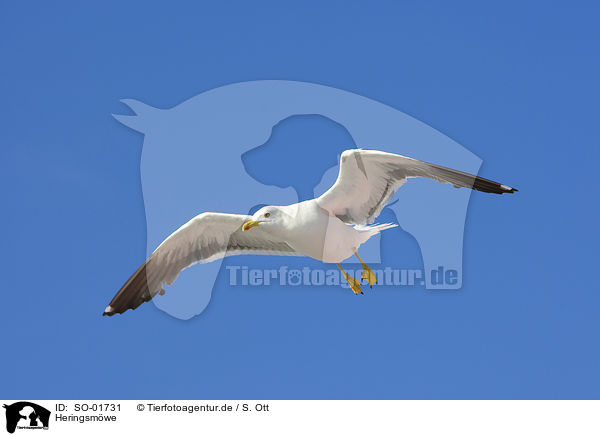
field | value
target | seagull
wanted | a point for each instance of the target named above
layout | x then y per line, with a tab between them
329	228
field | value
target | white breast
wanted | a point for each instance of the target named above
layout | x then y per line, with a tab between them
323	237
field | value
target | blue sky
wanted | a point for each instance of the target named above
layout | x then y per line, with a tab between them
515	83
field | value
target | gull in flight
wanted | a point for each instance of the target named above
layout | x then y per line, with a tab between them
329	228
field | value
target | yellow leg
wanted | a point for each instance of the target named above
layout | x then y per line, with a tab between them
354	284
367	273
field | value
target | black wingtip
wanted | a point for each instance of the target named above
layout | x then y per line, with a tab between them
485	185
508	189
141	287
460	179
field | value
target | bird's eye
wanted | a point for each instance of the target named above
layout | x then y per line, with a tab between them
267	215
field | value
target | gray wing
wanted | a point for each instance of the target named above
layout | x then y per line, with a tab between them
207	237
368	179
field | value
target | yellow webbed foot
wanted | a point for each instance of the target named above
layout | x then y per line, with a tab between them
354	284
369	275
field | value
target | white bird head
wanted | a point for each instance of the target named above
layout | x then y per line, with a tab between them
268	217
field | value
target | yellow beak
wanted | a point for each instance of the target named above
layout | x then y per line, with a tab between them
249	224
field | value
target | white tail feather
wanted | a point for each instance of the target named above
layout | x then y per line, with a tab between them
374	229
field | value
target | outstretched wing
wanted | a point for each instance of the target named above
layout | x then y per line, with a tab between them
207	237
368	179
